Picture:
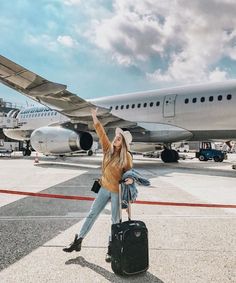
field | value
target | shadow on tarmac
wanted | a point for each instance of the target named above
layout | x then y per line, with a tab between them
111	277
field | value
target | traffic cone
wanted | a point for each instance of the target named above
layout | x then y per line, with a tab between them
36	159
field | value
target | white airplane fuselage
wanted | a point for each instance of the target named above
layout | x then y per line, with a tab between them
198	112
32	118
182	113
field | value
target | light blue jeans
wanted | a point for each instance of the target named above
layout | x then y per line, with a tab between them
98	205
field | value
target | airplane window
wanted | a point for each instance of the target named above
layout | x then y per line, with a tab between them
117	107
127	106
139	105
51	113
145	104
55	113
122	106
133	105
194	100
211	98
151	104
202	99
41	114
219	97
186	100
110	108
229	96
158	103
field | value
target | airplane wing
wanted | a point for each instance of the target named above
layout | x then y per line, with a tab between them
56	96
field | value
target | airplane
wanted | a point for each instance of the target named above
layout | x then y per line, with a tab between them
164	116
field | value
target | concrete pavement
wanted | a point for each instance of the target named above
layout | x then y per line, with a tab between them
186	244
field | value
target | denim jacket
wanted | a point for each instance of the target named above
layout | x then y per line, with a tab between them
130	192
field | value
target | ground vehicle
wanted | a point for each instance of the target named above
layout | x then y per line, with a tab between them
183	147
206	152
152	154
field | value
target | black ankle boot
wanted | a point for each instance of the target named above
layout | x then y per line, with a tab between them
74	246
108	255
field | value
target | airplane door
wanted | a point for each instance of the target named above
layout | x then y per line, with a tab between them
169	105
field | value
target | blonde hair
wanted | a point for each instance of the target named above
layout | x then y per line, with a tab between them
122	159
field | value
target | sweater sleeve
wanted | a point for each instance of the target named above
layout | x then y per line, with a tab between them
102	137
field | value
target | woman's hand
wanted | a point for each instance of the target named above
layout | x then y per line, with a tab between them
129	181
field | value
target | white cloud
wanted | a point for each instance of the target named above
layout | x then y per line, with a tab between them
218	75
67	41
41	40
49	42
192	36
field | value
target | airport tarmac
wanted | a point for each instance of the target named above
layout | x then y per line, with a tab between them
186	244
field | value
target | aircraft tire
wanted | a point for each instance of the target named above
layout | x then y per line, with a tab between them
90	152
169	156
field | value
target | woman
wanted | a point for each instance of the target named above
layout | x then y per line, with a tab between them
116	161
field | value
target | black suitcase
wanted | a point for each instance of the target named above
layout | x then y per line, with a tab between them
129	246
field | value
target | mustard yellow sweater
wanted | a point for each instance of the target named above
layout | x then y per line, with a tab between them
111	171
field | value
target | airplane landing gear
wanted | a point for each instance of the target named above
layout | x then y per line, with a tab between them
169	155
27	151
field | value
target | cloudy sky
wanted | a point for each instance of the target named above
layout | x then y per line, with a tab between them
106	47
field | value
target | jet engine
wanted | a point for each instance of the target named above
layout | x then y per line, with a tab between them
58	140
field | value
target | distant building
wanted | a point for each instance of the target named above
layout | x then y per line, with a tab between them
5	142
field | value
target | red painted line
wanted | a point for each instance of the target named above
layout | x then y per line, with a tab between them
186	204
165	203
42	195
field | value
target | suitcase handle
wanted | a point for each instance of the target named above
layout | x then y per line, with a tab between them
120	204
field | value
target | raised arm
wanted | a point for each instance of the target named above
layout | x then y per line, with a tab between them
100	131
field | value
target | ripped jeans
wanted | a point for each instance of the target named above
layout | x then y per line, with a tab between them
98	205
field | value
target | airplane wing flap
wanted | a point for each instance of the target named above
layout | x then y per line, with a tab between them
14	74
39	89
54	95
